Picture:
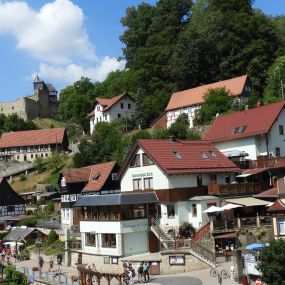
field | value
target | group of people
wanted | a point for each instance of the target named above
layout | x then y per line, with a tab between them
56	271
7	254
130	273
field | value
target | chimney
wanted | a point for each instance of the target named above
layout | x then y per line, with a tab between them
173	138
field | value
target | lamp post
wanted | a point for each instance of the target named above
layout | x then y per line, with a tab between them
223	274
39	244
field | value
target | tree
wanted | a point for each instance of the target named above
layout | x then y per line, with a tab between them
40	165
272	260
186	230
280	27
275	89
54	161
52	237
50	207
14	277
217	101
180	127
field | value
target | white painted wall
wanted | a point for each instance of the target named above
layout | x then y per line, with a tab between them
244	144
135	243
274	138
174	114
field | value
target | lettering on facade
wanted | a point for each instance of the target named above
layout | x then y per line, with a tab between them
140	175
135	226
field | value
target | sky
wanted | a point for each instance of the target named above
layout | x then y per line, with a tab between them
63	40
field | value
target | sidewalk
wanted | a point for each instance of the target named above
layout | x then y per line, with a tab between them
199	277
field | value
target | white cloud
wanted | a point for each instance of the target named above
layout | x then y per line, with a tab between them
54	34
73	72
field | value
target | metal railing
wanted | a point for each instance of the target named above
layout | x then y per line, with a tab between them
49	224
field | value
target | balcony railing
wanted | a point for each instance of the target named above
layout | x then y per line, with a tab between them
234	189
49	224
264	161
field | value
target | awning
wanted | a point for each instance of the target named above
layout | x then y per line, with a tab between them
248	201
235	153
230	206
243	175
213	209
116	199
253	171
225	236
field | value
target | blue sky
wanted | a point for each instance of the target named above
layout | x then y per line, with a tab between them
62	40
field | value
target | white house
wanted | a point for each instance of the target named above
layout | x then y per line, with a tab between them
107	110
256	132
176	171
189	101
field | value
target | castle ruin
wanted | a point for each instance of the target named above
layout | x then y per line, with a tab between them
43	104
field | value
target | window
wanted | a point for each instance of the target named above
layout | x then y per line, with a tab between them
108	240
281	131
46	154
32	156
90	239
122	105
281	226
96	176
98	108
114	175
277	151
146	159
234	130
12	108
105	117
170	211
129	106
159	211
199	181
10	208
213	154
213	178
241	129
176	154
227	179
203	155
137	184
119	116
148	183
194	210
135	161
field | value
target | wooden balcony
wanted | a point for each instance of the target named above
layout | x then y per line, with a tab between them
264	161
235	189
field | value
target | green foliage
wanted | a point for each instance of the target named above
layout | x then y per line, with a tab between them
272	260
280	27
40	165
186	230
14	277
180	128
55	248
31	222
3	234
13	123
217	101
276	76
50	207
54	161
52	237
23	177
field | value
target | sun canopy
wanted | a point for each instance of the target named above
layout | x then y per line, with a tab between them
235	153
248	201
243	175
213	209
230	206
255	246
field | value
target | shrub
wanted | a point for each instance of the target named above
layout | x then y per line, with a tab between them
28	222
23	177
52	237
186	230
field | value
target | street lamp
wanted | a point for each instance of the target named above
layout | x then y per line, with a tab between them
39	244
223	274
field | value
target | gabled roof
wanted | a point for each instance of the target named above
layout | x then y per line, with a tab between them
76	175
31	138
99	174
256	121
272	192
108	103
195	96
278	206
165	154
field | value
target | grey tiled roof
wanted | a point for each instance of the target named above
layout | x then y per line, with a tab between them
18	234
116	199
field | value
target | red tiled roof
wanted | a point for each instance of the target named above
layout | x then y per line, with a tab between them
257	121
31	138
268	193
75	175
254	171
162	153
277	206
195	96
103	171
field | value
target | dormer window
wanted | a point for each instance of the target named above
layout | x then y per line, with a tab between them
146	160
96	176
135	161
241	129
203	155
213	154
176	154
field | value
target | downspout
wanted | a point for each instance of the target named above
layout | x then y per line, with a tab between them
267	148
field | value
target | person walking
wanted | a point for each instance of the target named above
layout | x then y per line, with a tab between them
59	266
140	272
145	271
50	265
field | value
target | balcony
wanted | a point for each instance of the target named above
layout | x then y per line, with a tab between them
236	189
264	161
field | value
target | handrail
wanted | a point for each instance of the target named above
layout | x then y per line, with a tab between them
201	232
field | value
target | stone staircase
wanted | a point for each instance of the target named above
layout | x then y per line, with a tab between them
200	246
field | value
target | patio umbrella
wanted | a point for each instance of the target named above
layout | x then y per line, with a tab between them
213	209
255	246
230	206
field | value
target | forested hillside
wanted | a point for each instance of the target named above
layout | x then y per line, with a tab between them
175	45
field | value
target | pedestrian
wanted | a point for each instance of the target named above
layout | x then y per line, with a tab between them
145	271
50	265
140	272
59	266
131	274
41	263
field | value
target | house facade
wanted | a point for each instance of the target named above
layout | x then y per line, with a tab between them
257	132
30	145
175	171
11	204
95	179
190	101
107	110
